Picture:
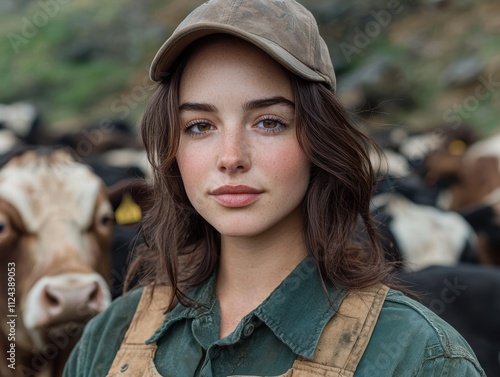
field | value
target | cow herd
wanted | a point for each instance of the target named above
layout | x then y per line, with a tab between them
437	206
68	220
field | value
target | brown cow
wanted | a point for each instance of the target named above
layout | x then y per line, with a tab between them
56	228
477	195
479	175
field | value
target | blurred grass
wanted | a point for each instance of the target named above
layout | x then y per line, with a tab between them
80	57
91	53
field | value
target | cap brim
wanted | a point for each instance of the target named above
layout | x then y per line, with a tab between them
173	47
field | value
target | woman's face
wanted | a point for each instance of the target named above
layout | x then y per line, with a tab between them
242	167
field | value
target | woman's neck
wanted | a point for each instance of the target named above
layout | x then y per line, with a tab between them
256	269
251	268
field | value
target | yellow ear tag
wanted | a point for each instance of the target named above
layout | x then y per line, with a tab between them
457	147
128	212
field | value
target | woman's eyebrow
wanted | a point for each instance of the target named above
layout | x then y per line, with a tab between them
190	106
248	106
266	102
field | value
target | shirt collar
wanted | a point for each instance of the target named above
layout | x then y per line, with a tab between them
205	297
296	311
299	308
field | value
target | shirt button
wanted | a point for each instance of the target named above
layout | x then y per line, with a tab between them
124	367
248	330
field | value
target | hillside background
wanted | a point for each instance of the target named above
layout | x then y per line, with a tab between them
413	63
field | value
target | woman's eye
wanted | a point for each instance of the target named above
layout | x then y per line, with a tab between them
199	127
271	125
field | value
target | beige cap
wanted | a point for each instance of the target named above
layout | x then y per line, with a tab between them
284	29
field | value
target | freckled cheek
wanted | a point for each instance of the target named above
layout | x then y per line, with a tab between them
193	169
289	167
191	177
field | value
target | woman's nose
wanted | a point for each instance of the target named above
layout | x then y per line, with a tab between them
234	153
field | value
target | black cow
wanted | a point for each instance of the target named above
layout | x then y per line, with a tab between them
467	296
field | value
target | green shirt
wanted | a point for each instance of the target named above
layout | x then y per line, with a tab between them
408	339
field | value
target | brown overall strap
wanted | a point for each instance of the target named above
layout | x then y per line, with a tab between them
337	354
346	335
134	358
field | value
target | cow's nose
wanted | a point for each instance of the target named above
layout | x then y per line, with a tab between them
55	300
65	303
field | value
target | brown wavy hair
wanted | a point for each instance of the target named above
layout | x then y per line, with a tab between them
182	249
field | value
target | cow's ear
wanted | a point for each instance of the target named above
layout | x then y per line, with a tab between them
129	198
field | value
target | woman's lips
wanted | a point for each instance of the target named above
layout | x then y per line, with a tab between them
235	196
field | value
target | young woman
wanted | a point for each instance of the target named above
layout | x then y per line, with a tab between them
260	243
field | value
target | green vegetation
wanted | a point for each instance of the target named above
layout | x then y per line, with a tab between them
76	60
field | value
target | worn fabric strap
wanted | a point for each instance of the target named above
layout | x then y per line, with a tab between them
338	353
346	336
135	358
